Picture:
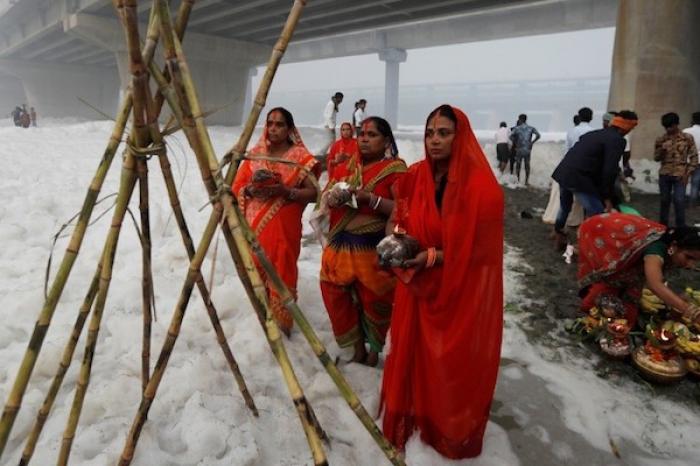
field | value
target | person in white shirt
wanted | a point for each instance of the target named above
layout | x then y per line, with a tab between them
502	146
585	115
359	116
329	117
695	179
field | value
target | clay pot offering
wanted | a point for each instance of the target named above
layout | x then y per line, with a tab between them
338	197
263	178
397	248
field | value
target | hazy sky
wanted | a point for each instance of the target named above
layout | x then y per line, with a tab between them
564	55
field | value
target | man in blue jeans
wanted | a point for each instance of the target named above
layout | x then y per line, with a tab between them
589	170
678	156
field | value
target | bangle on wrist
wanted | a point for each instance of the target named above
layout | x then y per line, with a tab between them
432	258
376	204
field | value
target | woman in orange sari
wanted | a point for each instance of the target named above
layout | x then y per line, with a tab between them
447	321
357	293
273	195
342	149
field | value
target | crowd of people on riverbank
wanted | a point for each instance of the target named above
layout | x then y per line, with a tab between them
619	252
442	219
23	118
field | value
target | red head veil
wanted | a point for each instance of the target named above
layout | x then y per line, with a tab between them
447	322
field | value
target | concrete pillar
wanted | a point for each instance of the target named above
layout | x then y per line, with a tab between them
393	58
221	86
11	94
656	65
220	67
248	101
53	89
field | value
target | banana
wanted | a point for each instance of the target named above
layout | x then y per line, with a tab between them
650	303
687	346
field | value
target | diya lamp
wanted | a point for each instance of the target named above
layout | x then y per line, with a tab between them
616	343
665	339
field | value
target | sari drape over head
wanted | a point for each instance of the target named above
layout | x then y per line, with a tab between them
611	251
341	146
447	322
277	221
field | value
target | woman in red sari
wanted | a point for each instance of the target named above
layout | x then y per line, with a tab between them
619	254
447	321
357	293
342	149
274	209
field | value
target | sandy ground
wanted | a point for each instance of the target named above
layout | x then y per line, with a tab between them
536	429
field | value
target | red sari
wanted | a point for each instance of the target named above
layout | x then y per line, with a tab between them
611	248
341	146
277	221
447	322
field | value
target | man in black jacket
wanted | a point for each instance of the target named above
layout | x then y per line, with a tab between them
590	168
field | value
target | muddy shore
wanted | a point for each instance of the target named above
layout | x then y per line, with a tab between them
551	295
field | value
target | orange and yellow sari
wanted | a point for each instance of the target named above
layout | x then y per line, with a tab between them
277	221
357	293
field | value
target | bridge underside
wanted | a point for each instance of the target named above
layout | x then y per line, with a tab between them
655	67
229	38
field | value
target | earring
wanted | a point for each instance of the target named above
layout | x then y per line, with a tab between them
671	251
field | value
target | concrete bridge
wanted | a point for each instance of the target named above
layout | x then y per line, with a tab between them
58	50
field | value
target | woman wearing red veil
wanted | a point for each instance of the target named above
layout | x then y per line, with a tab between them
342	149
447	321
272	196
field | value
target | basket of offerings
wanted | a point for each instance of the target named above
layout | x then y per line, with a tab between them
657	365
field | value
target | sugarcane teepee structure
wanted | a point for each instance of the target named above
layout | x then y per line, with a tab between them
145	142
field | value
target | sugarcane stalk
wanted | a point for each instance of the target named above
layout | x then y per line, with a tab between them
127	183
239	227
147	277
237	224
189	246
63	366
148	50
127	454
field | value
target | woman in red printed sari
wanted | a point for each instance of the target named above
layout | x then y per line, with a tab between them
273	196
619	254
342	149
447	321
357	293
